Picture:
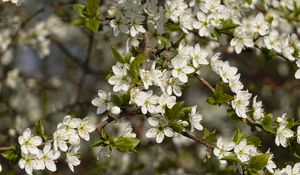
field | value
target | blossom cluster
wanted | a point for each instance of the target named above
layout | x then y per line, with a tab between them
66	139
168	82
253	31
242	150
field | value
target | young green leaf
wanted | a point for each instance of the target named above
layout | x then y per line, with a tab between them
78	8
39	129
267	123
92	7
92	24
232	159
117	55
125	144
13	154
259	162
239	136
134	69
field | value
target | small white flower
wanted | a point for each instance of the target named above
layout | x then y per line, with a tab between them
72	157
85	128
60	138
240	103
224	148
260	25
199	56
227	72
240	40
186	21
244	151
258	113
30	162
282	135
181	69
158	131
195	119
29	142
103	102
129	133
48	157
270	165
120	79
272	41
147	101
203	24
166	101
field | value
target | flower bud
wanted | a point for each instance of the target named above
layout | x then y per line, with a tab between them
112	11
115	110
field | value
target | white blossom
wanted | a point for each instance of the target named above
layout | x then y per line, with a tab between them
29	143
282	135
72	157
223	148
48	156
103	102
244	151
120	79
240	103
147	101
181	69
195	119
158	131
85	128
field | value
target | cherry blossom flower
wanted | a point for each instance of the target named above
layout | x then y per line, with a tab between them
29	143
158	131
103	102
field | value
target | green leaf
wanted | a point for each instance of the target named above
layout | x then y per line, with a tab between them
13	154
97	143
267	123
249	2
239	136
269	54
228	25
253	140
92	24
39	129
92	7
125	144
176	112
232	114
78	8
117	55
134	69
121	101
232	159
163	41
259	162
210	135
219	97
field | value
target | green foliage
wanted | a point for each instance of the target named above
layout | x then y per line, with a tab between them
219	97
232	159
248	2
239	136
232	114
258	162
39	129
253	140
266	123
176	112
121	101
269	54
117	55
210	135
227	27
92	24
92	7
134	69
126	144
89	14
13	154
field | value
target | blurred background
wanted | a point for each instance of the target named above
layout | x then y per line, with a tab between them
50	68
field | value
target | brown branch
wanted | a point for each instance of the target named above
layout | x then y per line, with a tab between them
201	140
3	149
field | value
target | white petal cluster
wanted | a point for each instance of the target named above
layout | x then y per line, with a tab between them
159	129
120	80
229	75
289	170
66	139
242	150
283	133
103	101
